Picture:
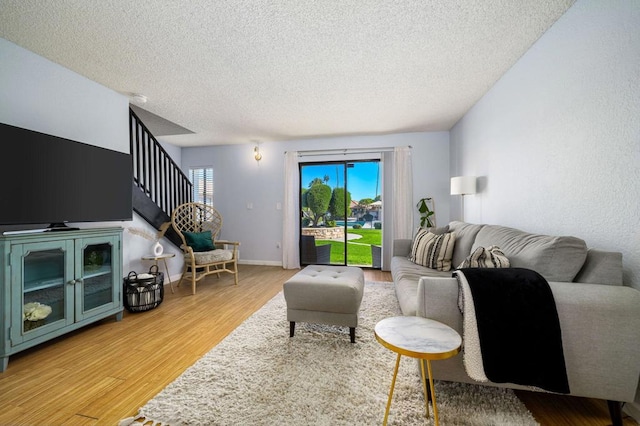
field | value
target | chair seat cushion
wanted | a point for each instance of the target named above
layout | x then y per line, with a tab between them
212	256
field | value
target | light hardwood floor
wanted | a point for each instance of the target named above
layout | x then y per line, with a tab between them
106	371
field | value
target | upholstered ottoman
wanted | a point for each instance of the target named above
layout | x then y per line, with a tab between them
326	295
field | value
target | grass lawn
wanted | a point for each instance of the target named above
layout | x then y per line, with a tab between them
359	250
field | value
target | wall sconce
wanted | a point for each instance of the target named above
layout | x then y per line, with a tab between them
463	185
256	153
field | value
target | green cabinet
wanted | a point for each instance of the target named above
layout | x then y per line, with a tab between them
55	282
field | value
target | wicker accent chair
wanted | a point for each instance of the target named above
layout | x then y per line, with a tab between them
195	218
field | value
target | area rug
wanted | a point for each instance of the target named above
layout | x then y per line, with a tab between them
258	375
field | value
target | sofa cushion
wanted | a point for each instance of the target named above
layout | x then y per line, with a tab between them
406	275
401	267
465	236
555	258
437	231
433	251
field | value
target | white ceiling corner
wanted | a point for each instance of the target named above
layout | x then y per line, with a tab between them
234	71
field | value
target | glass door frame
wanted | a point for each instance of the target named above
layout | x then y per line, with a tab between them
19	253
81	312
345	176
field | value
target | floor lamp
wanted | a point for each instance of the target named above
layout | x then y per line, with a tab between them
463	185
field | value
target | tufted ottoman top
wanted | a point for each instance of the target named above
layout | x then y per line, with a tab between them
329	275
325	288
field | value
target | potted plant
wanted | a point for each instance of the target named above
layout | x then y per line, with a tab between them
427	219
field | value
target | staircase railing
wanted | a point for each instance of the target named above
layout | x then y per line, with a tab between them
154	171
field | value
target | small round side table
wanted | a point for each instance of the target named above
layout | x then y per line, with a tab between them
164	258
421	338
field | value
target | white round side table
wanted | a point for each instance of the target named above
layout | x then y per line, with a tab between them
421	338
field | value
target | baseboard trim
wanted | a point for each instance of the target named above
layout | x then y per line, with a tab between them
175	278
260	262
632	409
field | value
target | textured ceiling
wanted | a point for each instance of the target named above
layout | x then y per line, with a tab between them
233	71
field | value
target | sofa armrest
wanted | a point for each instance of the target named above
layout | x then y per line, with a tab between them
401	247
601	267
600	332
438	300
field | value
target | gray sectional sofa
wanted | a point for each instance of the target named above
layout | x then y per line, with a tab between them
599	317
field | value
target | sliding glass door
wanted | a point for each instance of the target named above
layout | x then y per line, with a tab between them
341	213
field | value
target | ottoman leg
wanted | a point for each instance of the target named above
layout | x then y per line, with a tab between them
352	334
292	328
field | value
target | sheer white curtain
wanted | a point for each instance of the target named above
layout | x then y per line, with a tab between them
290	237
402	193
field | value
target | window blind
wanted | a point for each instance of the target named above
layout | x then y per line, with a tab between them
202	180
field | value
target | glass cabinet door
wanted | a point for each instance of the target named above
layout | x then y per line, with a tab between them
99	276
45	272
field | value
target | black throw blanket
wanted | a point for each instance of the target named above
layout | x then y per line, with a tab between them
518	327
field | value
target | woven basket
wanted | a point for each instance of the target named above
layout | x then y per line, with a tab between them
143	294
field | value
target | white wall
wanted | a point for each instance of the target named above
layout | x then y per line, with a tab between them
175	152
40	95
239	180
136	246
557	139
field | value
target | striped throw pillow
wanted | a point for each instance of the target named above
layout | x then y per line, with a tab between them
433	251
490	257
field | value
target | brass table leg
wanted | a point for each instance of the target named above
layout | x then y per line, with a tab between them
424	387
393	384
433	395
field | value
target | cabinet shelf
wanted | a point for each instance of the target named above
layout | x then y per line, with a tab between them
41	285
54	282
92	273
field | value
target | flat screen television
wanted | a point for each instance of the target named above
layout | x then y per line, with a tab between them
51	180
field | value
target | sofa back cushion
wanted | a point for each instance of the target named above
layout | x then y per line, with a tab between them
555	258
465	236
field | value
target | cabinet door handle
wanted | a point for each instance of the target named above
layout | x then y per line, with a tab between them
79	281
72	282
